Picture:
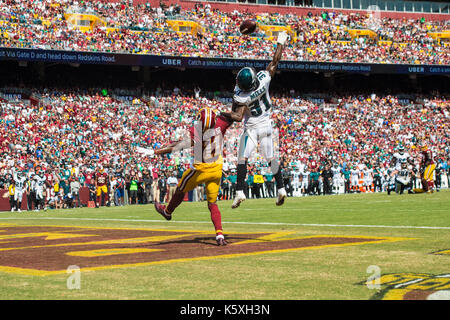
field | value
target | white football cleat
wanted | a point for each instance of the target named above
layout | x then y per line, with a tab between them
240	197
281	196
221	240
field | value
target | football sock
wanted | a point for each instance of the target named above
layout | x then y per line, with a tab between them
277	174
176	200
241	173
425	186
216	217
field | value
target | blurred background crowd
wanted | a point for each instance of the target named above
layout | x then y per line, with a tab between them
71	123
143	29
72	134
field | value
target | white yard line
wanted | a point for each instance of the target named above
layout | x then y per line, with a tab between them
232	222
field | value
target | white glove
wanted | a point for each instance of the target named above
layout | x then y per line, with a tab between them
282	38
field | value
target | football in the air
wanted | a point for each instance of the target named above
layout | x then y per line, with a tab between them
247	27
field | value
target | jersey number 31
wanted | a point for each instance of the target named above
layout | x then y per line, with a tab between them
255	106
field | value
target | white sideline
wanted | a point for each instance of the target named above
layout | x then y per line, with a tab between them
233	222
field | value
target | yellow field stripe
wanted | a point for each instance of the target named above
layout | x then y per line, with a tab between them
184	233
280	236
443	252
112	241
434	283
233	255
130	228
30	272
395	294
110	252
270	237
48	235
6	225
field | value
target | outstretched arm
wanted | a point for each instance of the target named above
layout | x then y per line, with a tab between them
272	67
166	149
237	113
177	145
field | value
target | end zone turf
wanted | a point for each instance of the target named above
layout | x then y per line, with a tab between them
311	248
44	250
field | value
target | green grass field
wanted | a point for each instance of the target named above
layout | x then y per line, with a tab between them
338	272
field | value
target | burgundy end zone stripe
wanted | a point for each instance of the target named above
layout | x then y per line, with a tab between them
41	250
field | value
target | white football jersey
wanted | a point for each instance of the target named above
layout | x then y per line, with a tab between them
39	182
368	173
20	182
403	176
305	174
336	172
355	173
258	102
398	159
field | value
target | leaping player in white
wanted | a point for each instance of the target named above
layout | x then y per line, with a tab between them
251	103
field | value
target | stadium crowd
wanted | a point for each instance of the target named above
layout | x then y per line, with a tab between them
70	136
143	29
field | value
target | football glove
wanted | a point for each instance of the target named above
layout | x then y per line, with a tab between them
282	38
